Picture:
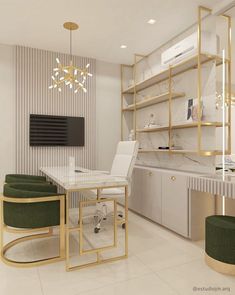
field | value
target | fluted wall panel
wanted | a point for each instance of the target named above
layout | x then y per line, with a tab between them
33	76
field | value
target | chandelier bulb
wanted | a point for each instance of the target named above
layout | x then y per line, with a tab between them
62	78
56	69
51	86
89	74
87	66
53	78
56	74
84	89
75	72
57	60
59	89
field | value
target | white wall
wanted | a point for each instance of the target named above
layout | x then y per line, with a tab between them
7	111
33	72
108	113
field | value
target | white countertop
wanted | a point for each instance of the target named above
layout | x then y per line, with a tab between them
67	178
208	183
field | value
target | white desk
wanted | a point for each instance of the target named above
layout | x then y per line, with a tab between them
72	181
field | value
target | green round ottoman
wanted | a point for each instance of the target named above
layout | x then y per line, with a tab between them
220	243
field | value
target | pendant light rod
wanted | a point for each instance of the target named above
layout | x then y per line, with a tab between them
70	44
71	27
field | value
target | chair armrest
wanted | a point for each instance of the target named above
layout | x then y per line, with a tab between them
32	200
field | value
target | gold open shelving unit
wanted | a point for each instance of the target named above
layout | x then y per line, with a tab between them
194	62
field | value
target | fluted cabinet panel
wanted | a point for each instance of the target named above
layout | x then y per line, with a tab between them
33	76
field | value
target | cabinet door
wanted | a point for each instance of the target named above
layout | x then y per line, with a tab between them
151	195
135	200
175	202
146	193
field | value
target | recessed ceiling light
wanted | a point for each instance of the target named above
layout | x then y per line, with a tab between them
151	21
123	46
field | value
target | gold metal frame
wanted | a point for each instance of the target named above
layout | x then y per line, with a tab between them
200	59
49	233
98	251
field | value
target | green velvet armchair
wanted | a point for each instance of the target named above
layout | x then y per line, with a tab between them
32	207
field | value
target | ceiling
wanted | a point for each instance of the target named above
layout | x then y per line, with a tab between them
104	25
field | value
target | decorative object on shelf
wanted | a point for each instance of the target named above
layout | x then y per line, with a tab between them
219	101
131	135
70	75
151	123
192	110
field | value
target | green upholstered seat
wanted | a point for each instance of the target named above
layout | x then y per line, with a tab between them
32	215
220	238
20	178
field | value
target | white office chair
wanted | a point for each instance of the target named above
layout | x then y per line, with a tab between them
123	164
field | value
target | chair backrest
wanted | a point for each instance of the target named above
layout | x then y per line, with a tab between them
124	160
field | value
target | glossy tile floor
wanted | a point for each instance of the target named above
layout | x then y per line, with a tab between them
160	262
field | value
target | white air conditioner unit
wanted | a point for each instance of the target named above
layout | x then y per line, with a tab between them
188	47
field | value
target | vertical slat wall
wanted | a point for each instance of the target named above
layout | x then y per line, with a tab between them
34	68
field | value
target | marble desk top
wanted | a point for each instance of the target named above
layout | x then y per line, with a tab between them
67	178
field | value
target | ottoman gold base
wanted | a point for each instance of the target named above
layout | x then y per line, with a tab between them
225	268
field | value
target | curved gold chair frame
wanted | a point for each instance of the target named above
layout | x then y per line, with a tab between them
219	266
49	233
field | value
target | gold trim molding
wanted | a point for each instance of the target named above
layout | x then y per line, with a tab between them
225	268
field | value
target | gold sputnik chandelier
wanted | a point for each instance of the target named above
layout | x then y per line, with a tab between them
70	75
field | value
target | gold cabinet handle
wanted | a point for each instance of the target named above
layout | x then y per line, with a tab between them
173	178
150	173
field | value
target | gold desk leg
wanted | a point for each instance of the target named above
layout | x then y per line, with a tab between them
62	227
1	227
67	231
98	252
81	229
126	221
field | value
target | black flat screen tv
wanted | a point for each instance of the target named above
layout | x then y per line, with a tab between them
48	130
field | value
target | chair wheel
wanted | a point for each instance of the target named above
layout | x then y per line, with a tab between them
96	230
120	215
123	225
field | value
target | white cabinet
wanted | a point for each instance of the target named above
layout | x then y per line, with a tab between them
146	193
175	202
161	196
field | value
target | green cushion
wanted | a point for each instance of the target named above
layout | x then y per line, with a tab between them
220	238
34	215
19	178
